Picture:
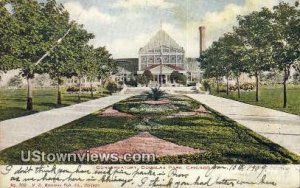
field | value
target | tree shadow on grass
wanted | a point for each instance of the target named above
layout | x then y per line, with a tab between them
14	112
52	105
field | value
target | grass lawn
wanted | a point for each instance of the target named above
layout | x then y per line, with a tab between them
13	102
225	141
270	97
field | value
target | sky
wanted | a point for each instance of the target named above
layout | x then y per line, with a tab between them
124	26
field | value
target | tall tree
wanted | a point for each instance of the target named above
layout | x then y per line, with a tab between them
148	75
105	63
254	31
59	61
8	39
92	67
225	58
33	39
59	66
81	54
210	62
285	40
234	49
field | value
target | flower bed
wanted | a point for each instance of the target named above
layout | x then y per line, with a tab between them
149	108
168	105
142	108
161	102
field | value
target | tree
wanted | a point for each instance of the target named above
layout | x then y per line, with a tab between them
58	64
225	58
254	30
33	39
142	79
234	49
37	31
81	51
210	62
8	39
147	77
105	64
112	87
178	77
92	67
285	40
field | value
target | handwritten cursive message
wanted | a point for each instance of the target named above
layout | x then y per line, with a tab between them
149	176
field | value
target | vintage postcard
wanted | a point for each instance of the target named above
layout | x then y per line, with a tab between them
149	93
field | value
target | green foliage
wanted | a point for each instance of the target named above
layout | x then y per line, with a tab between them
16	81
156	93
247	86
206	85
272	77
131	82
148	75
75	89
192	84
178	77
112	87
8	40
264	40
285	35
142	79
105	62
243	86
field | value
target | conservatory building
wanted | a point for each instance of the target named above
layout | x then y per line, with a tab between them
161	55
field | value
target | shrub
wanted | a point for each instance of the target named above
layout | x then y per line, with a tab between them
131	83
112	87
232	87
88	89
15	81
145	109
155	93
178	77
148	75
222	90
192	84
142	79
206	85
73	89
247	86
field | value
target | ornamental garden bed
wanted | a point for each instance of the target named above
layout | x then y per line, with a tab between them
220	140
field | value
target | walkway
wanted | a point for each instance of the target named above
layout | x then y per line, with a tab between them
280	127
15	131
